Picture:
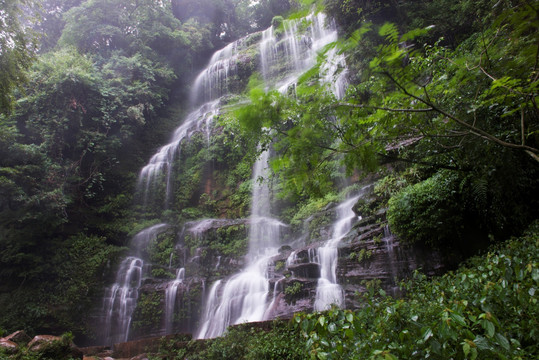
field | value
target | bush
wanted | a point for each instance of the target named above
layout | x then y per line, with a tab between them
428	212
249	343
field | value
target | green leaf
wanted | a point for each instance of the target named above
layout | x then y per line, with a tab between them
390	32
458	319
482	343
489	327
502	341
466	348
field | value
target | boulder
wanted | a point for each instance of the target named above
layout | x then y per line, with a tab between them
55	347
19	337
8	346
40	342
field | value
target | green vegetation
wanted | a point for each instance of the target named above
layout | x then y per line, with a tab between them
452	108
149	311
17	50
428	212
292	290
280	342
486	309
463	114
361	255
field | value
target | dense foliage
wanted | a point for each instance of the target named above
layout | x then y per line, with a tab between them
17	50
486	309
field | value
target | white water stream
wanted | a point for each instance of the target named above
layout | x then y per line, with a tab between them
243	298
328	291
120	299
170	299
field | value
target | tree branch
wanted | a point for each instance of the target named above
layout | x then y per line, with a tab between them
476	131
426	163
361	106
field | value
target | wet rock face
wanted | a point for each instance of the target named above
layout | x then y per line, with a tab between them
369	255
209	250
305	270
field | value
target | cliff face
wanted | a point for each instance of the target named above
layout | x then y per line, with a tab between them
368	255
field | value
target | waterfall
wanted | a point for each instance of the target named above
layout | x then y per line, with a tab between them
170	299
328	291
120	299
243	298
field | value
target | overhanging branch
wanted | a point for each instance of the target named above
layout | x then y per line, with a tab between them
360	106
474	130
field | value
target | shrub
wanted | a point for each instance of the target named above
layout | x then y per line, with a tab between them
428	212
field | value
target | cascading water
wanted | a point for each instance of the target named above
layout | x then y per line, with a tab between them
328	291
159	167
212	82
284	58
243	298
170	299
120	299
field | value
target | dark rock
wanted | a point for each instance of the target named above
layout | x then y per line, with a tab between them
19	337
8	346
306	270
284	248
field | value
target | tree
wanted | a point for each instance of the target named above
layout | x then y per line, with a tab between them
17	50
